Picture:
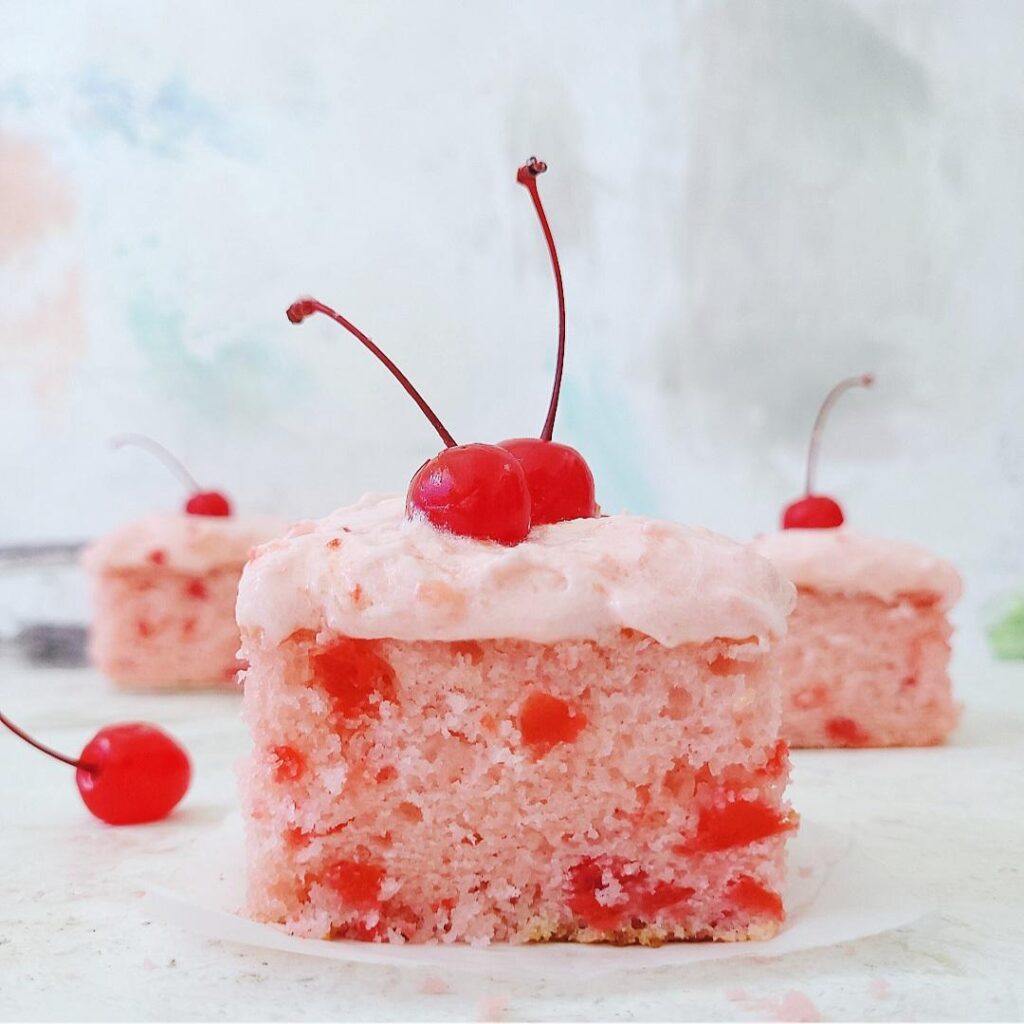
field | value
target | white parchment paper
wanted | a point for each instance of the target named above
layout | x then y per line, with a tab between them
834	894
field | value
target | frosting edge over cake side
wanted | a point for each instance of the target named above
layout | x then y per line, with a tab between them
846	562
367	572
186	543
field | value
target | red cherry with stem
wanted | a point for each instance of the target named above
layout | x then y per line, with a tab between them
127	774
472	490
816	511
560	481
200	502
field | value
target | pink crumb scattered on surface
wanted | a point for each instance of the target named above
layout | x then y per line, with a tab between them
793	1006
879	988
806	871
435	986
493	1007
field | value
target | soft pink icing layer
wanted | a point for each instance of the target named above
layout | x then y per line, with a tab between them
192	544
368	572
843	562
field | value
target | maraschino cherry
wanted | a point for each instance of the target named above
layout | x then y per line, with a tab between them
560	481
127	774
200	502
816	511
472	490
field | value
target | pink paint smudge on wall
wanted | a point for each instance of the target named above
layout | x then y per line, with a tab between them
42	324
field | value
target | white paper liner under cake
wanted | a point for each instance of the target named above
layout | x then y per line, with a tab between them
834	894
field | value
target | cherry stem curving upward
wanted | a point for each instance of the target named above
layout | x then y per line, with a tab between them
864	380
299	310
21	734
527	175
172	462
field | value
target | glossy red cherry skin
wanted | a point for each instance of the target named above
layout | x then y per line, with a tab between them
473	490
815	512
208	503
132	773
561	484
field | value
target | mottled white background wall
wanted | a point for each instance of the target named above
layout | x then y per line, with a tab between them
752	199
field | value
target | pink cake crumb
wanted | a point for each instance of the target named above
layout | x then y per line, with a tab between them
865	662
435	986
164	592
860	672
611	789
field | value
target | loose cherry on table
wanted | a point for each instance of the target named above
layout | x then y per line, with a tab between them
483	491
200	502
127	774
817	511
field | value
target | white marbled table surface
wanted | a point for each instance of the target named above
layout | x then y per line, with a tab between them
75	941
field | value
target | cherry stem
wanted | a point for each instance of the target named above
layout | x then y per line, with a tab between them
527	176
21	734
299	310
172	462
864	380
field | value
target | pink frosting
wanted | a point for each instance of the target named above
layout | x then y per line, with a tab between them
190	544
367	571
844	562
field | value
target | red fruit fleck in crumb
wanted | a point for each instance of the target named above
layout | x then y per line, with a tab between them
355	677
545	721
847	732
778	762
357	884
334	542
607	891
143	628
748	895
290	764
158	557
737	823
197	588
724	666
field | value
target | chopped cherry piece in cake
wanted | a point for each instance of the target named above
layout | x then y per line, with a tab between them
847	732
778	761
751	897
545	720
816	511
356	883
607	891
355	677
196	588
736	823
290	764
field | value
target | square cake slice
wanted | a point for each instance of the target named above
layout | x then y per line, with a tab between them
866	660
576	738
164	591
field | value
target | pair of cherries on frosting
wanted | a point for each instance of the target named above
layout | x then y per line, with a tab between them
484	491
817	511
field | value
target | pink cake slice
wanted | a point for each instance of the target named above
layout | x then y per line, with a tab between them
575	738
866	659
164	591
